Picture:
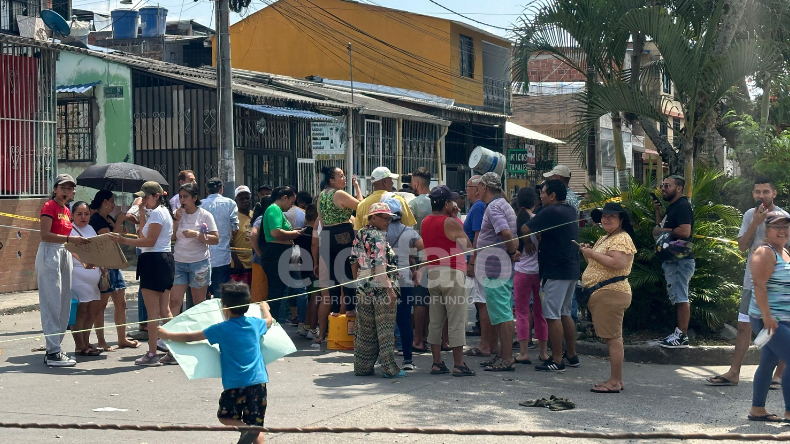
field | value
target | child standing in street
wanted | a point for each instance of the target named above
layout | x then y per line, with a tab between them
244	377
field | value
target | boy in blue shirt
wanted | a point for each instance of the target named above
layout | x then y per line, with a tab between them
244	377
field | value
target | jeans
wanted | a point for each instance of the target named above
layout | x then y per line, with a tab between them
403	320
219	276
678	275
777	349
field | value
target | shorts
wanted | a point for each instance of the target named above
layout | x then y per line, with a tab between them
608	308
246	404
196	274
499	299
156	271
260	287
678	275
743	309
116	281
476	293
557	298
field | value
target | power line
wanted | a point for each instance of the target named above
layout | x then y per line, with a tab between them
468	18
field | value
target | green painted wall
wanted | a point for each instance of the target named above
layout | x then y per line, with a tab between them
112	116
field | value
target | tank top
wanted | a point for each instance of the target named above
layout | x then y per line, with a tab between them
438	245
330	212
778	287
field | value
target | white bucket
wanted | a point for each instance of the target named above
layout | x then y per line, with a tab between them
482	160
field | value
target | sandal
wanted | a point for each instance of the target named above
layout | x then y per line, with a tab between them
464	370
491	361
130	344
109	348
501	366
522	361
442	368
418	350
87	351
719	381
475	352
775	385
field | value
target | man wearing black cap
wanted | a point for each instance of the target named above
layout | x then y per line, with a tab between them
443	236
226	216
679	220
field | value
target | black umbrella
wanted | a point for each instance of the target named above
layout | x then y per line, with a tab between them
119	176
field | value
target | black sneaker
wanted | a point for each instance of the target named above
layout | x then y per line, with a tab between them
571	362
532	346
550	366
675	340
59	359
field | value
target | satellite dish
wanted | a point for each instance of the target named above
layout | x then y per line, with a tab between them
56	23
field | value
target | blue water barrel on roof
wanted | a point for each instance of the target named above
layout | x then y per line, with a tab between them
153	20
124	23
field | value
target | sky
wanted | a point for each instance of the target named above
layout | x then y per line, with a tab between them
501	13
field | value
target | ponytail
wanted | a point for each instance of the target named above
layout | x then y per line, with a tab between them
525	198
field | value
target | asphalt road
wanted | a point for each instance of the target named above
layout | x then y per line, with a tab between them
317	388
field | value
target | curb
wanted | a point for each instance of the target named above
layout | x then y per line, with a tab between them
131	294
651	353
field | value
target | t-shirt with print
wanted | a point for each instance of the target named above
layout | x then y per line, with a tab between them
474	219
242	240
240	355
402	239
370	250
160	216
191	250
759	239
273	219
680	213
494	262
597	272
61	217
558	257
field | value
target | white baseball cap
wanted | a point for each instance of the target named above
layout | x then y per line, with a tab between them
241	189
559	170
381	173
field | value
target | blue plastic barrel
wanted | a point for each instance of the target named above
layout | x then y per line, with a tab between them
124	23
153	20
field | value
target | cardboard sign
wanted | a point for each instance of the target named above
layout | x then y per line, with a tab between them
102	251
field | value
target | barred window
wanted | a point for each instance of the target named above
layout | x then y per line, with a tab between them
467	51
75	131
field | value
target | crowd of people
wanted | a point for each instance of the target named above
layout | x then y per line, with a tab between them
408	269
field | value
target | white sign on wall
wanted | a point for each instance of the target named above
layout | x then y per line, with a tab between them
328	139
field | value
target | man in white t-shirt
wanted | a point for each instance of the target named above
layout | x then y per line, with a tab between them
184	176
750	236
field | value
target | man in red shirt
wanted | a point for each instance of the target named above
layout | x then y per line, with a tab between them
445	244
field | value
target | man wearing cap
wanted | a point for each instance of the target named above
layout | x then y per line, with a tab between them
563	174
226	216
242	260
184	176
558	260
679	219
382	183
444	238
494	266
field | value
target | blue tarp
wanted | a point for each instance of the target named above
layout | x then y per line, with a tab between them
77	88
287	112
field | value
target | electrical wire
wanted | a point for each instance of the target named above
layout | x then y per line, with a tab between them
468	18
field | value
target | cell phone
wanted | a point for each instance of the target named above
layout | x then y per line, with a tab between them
655	198
576	243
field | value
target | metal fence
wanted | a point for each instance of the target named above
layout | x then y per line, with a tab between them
27	119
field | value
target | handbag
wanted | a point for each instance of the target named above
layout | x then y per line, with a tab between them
583	293
104	281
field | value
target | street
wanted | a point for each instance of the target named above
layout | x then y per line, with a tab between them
317	388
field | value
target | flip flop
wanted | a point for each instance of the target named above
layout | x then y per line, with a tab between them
419	350
87	351
136	344
525	361
775	385
111	348
602	389
476	353
766	418
719	381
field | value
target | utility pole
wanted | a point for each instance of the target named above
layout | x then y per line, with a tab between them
351	67
227	150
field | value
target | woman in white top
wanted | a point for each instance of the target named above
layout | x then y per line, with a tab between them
84	284
155	266
191	253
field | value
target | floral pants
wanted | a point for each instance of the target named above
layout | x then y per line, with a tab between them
374	332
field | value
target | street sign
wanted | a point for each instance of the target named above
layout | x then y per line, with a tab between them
519	161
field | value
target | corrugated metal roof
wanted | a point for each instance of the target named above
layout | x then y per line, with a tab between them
286	112
82	88
526	133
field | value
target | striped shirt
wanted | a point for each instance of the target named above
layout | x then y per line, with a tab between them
778	286
494	262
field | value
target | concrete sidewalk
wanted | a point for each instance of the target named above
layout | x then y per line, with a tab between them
12	303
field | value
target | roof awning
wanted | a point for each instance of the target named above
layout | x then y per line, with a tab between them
287	112
82	88
526	133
